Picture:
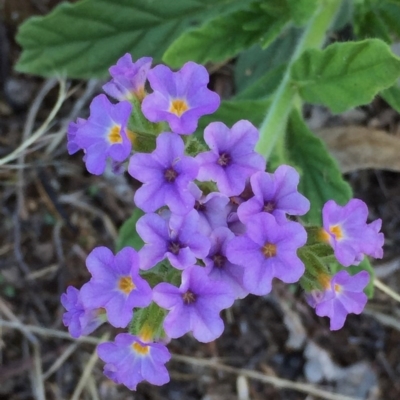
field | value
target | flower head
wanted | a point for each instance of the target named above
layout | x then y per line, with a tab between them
219	268
232	158
275	194
79	320
166	174
213	209
180	98
176	238
115	285
195	305
130	360
104	134
72	145
347	231
128	78
343	295
268	250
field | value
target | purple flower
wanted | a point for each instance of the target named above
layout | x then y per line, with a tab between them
166	174
72	145
129	361
347	231
115	284
232	158
218	266
104	134
128	78
195	305
213	209
268	250
180	98
178	239
80	320
234	224
343	295
276	194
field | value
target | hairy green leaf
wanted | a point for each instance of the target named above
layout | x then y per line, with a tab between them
378	19
321	177
302	10
224	37
82	40
265	86
232	111
344	16
392	96
345	75
127	233
368	23
255	64
217	40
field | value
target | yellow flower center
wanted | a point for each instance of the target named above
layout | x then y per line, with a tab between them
178	107
336	231
139	349
269	250
126	285
114	135
337	288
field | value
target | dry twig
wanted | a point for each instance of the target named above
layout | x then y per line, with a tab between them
277	382
386	289
60	360
79	104
87	371
37	373
41	130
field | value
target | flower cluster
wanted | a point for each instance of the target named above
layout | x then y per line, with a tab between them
216	226
342	294
346	230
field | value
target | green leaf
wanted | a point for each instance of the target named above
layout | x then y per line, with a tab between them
392	96
224	37
302	10
378	19
148	319
265	86
127	233
255	64
216	41
344	16
313	263
370	23
321	178
345	75
232	111
82	40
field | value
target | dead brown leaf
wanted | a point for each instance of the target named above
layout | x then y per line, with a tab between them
357	148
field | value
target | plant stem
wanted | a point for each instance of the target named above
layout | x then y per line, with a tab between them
274	124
